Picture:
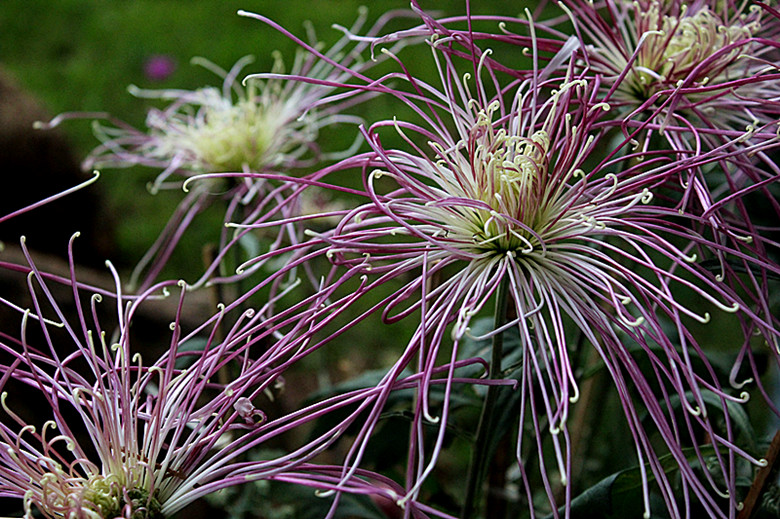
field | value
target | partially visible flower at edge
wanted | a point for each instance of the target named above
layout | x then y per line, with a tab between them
702	75
707	55
159	436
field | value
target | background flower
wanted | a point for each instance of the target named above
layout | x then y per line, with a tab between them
121	437
265	124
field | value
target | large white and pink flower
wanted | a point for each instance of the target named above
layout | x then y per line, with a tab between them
520	195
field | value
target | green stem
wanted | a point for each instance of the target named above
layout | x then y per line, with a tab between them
479	458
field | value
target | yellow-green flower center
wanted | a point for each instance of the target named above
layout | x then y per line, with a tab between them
672	47
229	136
96	497
508	171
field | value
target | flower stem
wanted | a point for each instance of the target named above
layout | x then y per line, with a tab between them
480	455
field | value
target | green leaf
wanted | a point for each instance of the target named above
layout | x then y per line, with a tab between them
735	410
620	495
196	344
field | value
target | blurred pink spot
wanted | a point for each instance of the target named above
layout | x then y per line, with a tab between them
159	67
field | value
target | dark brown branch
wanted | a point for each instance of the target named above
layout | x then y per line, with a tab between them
752	500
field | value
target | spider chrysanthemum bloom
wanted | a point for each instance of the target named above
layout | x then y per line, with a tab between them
696	77
268	123
523	199
234	128
114	436
669	48
701	64
249	125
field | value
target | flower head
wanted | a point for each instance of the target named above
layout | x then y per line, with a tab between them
504	172
254	126
136	440
525	197
669	48
265	124
699	65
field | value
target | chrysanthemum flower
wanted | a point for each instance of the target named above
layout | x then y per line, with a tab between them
524	201
706	68
661	47
256	126
114	436
702	74
646	47
268	124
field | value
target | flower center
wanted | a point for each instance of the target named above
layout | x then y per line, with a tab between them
112	500
226	136
99	497
673	47
508	174
103	494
